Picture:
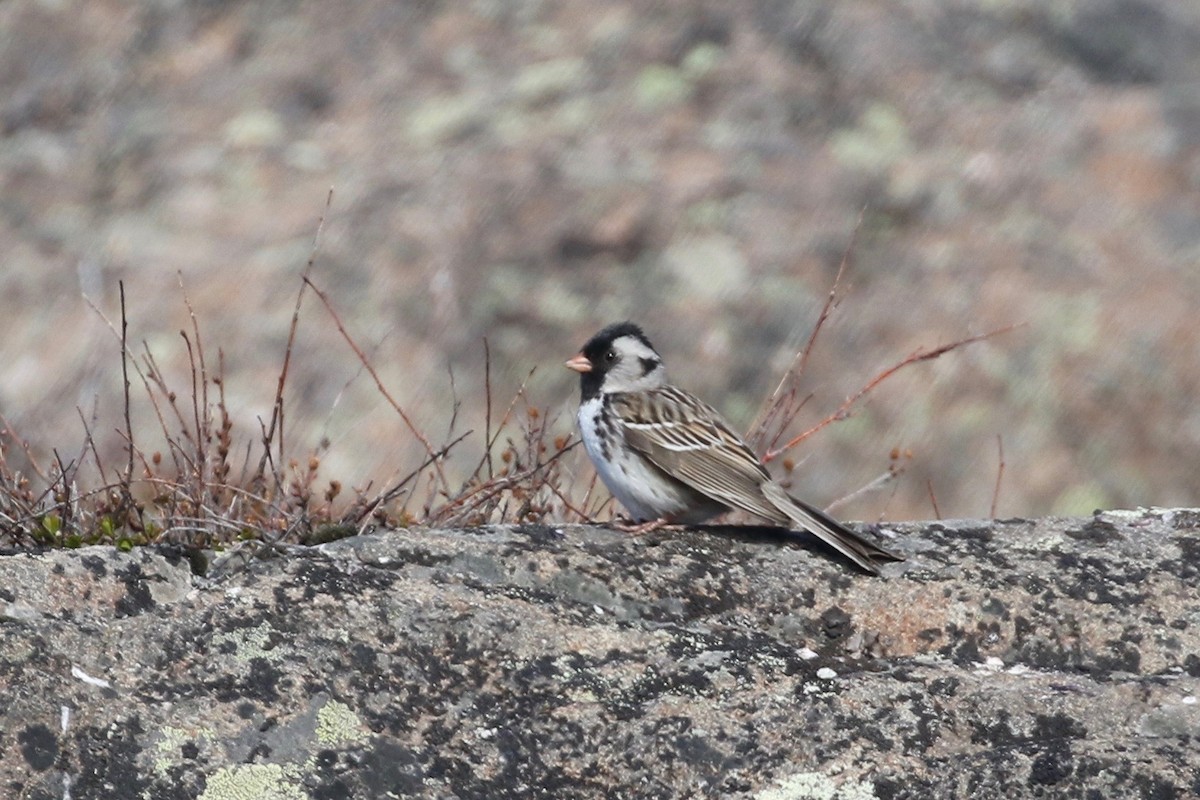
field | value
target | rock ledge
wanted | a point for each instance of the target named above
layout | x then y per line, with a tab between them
1016	658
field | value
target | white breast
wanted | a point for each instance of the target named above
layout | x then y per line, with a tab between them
636	484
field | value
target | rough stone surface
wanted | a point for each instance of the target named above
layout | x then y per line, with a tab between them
1050	658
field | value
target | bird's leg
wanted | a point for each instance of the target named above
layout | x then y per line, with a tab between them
638	529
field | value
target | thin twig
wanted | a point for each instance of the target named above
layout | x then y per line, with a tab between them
487	414
429	450
774	403
999	476
125	381
175	450
89	443
26	448
201	411
158	381
937	512
277	405
63	500
491	488
201	456
567	504
843	410
455	403
491	442
876	484
393	492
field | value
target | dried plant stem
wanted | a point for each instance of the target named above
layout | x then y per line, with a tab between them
429	449
201	416
487	413
999	476
475	498
89	443
125	386
508	415
875	485
843	410
357	515
781	402
269	430
937	512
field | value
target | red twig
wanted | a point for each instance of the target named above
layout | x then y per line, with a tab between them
487	414
125	382
277	406
895	469
362	357
999	476
357	515
843	410
937	513
775	404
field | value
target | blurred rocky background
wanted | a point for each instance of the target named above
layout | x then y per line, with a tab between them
529	171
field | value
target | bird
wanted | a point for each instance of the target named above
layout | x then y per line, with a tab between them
671	459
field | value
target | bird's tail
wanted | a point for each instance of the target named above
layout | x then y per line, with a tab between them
863	553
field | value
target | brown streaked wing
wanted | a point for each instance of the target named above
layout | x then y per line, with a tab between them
686	438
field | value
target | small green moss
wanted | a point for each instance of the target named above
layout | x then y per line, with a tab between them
52	524
198	561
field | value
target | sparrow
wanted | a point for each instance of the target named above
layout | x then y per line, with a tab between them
670	458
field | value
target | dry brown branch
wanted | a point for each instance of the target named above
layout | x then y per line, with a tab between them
937	512
781	405
146	383
125	389
894	471
356	515
269	431
843	410
487	412
479	495
62	497
201	458
999	475
362	358
26	448
580	514
201	411
89	443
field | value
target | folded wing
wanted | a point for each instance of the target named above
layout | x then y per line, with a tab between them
687	439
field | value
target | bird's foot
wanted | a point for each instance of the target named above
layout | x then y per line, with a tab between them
640	528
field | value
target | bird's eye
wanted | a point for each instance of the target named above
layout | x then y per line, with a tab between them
610	356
